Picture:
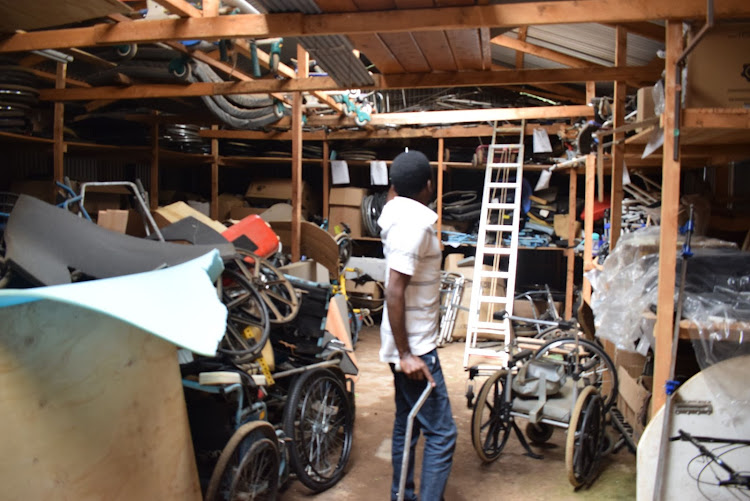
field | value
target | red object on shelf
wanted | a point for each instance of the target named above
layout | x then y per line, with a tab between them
599	208
252	233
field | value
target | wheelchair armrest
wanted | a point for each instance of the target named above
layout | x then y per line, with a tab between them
521	355
500	315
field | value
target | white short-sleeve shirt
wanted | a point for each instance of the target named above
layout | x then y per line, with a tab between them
411	247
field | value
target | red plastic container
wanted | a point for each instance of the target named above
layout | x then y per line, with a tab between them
254	234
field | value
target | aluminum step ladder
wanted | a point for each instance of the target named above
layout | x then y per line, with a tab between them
493	290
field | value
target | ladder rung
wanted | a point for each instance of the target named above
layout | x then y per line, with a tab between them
491	327
494	274
493	299
505	146
498	251
507	165
498	205
502	185
498	227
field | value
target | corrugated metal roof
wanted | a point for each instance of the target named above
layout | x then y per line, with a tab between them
590	42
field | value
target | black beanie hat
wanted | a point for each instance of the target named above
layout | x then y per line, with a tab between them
410	172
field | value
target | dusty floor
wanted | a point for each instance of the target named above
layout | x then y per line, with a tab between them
512	476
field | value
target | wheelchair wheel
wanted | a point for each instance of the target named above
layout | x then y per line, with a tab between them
539	433
248	326
592	366
319	419
491	421
248	467
277	292
584	443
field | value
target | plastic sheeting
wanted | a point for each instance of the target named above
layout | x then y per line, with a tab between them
178	304
625	290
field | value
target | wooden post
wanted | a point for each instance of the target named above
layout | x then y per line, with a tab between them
588	224
570	251
210	8
519	53
590	92
153	188
670	205
214	211
326	178
618	150
302	71
58	147
440	167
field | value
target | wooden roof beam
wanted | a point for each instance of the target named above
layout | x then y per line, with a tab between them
461	116
180	7
543	52
645	74
644	29
413	20
243	47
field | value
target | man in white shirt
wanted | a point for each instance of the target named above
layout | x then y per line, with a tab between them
411	323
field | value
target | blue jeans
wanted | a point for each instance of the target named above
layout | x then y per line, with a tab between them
435	421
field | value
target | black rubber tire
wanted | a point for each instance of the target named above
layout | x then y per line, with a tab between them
245	309
251	438
490	421
313	431
603	376
584	442
539	433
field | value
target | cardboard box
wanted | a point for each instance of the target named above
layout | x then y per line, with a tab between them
560	224
273	190
462	316
240	213
115	220
345	207
718	69
633	401
227	202
352	216
644	104
347	196
309	270
164	216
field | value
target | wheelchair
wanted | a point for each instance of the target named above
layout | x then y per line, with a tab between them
568	382
275	403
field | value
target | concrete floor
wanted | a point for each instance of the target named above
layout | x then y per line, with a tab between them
511	476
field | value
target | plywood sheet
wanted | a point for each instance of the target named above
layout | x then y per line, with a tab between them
316	243
437	50
406	50
47	13
92	409
466	48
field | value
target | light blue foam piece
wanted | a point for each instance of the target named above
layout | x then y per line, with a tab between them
178	304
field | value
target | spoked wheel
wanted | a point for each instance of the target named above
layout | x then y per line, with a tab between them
491	421
319	418
277	292
584	444
588	366
539	433
248	468
248	326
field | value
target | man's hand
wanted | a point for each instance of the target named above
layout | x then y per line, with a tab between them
415	368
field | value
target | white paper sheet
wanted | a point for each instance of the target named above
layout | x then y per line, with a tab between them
339	172
541	141
378	173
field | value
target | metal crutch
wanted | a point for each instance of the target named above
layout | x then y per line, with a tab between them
407	443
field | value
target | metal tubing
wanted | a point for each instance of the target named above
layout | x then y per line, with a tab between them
407	442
